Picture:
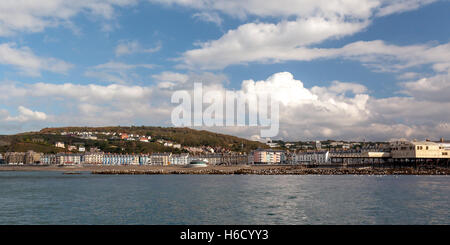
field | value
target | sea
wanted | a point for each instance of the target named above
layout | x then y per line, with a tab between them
52	198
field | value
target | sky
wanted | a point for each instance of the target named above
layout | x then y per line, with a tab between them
341	69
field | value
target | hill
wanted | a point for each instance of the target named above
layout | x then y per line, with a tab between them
45	139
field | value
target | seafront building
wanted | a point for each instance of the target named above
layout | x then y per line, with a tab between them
397	152
93	158
161	159
235	159
16	158
420	149
268	156
68	159
212	159
48	159
179	159
116	159
19	158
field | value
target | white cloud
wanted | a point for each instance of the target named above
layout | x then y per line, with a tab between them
339	111
132	47
301	25
377	55
209	17
399	6
331	113
434	88
173	80
283	8
387	57
263	42
340	87
94	105
408	75
91	92
315	105
170	79
36	15
23	59
116	72
26	115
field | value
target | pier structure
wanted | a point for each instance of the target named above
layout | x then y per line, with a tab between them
361	159
402	154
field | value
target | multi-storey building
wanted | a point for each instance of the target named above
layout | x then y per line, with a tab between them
29	157
15	157
48	159
93	158
420	149
212	159
267	156
116	159
160	158
68	159
32	157
235	159
179	159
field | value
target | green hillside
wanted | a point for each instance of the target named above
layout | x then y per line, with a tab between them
44	140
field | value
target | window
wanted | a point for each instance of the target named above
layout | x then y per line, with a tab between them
444	153
427	148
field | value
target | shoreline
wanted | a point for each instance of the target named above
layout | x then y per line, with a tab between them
231	170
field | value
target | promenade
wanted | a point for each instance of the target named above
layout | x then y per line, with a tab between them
229	170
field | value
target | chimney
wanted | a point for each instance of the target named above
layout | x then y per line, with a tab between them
427	140
442	140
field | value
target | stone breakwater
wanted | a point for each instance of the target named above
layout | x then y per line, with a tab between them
280	171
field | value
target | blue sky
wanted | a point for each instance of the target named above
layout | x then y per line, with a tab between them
379	64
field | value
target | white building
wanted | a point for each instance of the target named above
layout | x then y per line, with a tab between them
68	159
160	158
179	159
212	159
93	158
116	159
420	149
268	156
